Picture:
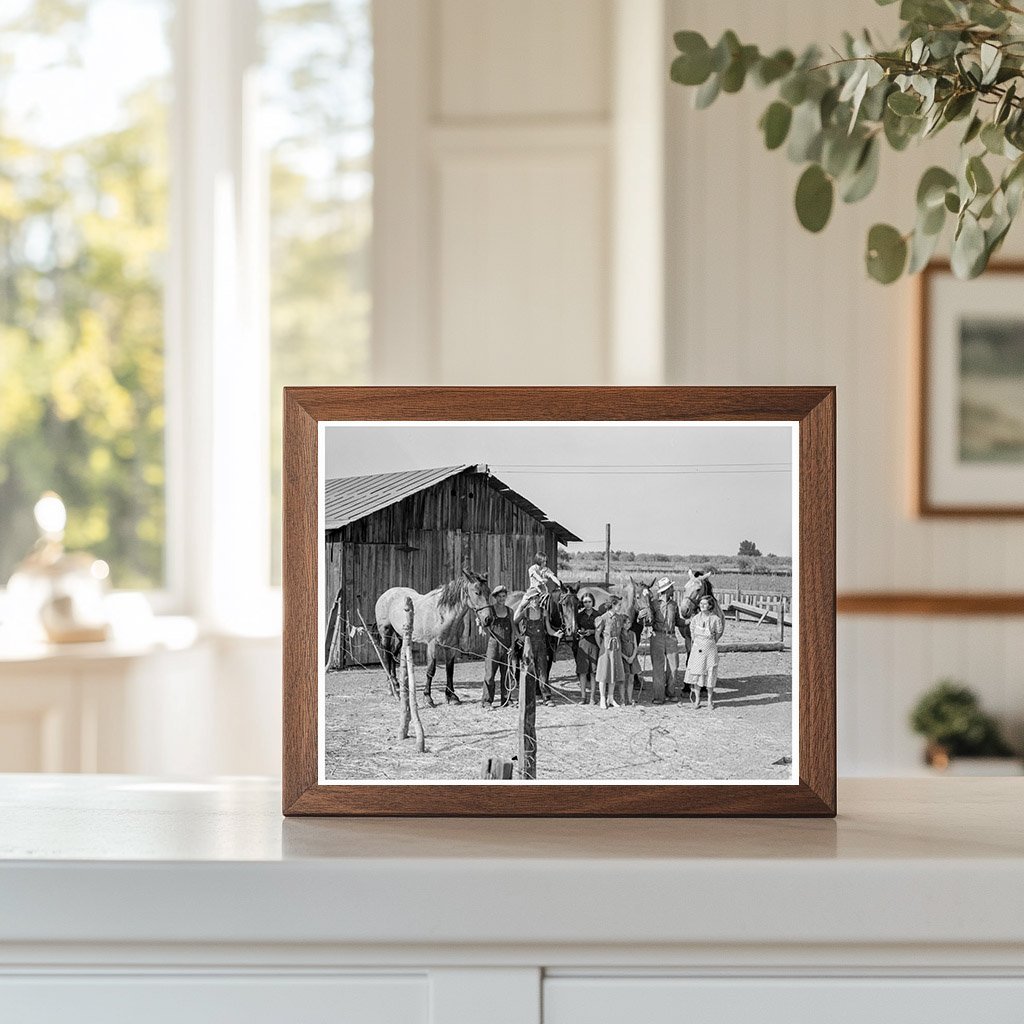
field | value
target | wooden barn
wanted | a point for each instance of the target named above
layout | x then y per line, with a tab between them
419	529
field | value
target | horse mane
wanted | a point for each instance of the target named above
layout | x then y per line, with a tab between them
451	594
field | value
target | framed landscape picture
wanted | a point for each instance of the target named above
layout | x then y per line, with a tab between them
559	601
970	444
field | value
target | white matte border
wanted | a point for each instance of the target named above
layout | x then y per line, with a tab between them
794	778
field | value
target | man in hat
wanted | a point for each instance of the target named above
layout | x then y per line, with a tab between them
499	649
665	623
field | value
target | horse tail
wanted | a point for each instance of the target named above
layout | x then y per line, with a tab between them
386	637
390	645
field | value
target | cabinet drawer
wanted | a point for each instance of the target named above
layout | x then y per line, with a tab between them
669	1000
202	999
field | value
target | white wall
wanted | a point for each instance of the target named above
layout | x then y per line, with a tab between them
514	158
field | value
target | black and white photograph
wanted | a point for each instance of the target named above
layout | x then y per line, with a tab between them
992	389
971	393
558	602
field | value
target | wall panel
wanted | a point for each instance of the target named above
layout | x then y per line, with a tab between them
530	58
522	286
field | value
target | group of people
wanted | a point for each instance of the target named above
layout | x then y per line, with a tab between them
606	641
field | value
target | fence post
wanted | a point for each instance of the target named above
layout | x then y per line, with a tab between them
528	720
410	709
782	620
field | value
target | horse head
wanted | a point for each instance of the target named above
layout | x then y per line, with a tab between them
477	595
696	586
568	602
644	600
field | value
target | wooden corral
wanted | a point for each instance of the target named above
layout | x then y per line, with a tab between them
419	529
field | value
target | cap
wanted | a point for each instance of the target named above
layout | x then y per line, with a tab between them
499	589
663	585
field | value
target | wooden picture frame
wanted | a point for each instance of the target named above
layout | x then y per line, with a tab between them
930	373
811	409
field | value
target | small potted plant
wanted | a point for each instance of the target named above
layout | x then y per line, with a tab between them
950	718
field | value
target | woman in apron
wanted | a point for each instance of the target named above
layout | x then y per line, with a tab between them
702	668
610	671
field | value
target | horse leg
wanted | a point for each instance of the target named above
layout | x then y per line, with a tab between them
450	696
431	669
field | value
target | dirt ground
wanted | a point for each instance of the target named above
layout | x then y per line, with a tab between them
744	737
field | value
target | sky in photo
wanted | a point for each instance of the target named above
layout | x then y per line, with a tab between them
675	488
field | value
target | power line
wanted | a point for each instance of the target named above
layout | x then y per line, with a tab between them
633	465
643	472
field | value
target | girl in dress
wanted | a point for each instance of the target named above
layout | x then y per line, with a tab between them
706	628
587	651
631	631
610	671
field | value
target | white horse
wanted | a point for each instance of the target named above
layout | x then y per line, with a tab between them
437	622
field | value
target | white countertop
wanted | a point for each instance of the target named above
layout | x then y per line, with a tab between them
121	859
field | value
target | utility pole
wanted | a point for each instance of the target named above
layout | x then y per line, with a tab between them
607	554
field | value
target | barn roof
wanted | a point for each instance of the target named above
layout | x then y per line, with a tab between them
349	498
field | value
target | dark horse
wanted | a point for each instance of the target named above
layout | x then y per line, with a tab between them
437	622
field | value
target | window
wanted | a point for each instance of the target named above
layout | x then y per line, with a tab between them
83	236
237	212
317	117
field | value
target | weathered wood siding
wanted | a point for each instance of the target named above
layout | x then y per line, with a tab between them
426	539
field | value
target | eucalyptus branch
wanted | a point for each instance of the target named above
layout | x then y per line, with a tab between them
953	58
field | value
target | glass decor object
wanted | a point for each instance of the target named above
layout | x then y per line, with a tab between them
57	595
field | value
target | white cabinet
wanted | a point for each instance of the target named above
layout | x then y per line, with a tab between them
202	999
142	899
827	1000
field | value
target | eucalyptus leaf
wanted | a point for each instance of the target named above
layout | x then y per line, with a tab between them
886	253
900	130
993	138
922	248
794	88
771	69
968	247
814	195
873	106
973	130
865	173
931	190
958	105
775	124
991	60
904	103
840	152
805	133
725	49
707	93
932	221
1005	105
978	176
735	74
987	15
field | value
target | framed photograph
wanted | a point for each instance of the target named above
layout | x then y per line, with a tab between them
559	601
970	444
